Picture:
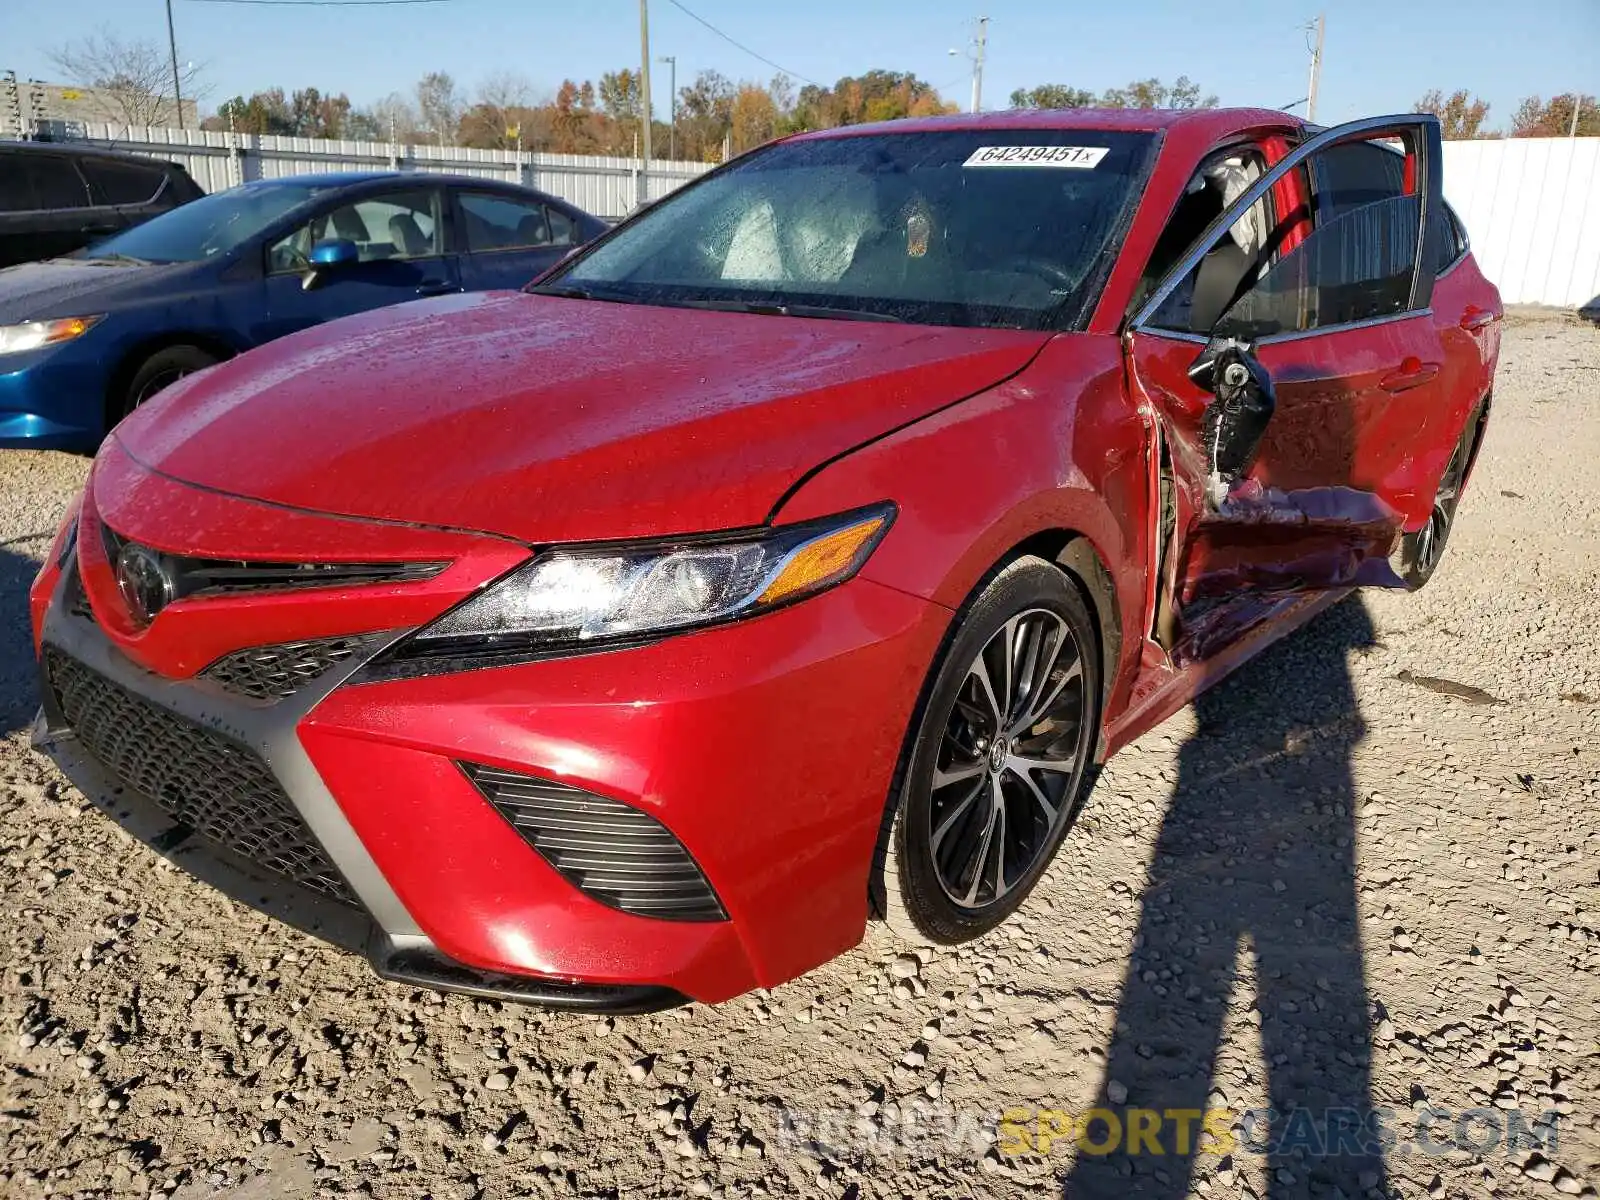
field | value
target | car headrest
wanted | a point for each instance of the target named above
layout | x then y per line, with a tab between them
533	230
347	223
407	234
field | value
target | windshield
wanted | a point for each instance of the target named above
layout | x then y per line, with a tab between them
206	227
1001	228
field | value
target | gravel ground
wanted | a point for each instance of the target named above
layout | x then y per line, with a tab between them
1338	880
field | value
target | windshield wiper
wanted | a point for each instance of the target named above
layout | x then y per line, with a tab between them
565	290
819	312
116	258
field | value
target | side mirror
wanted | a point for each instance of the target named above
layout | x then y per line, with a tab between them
335	254
1236	420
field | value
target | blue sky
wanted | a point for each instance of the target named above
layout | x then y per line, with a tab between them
1380	54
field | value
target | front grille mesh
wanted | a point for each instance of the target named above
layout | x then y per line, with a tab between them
279	671
608	850
209	782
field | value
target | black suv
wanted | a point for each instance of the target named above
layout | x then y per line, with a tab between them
56	198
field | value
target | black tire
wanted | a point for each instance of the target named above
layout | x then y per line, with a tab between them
162	368
1421	552
936	880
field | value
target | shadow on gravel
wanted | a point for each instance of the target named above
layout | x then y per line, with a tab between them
1256	855
19	686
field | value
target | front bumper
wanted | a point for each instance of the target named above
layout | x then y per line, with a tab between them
54	398
767	748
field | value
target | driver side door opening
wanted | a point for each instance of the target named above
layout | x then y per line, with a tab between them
1314	298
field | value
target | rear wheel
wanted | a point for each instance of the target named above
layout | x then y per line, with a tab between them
1421	551
162	369
1000	760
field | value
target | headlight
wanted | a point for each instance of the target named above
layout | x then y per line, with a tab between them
581	598
31	335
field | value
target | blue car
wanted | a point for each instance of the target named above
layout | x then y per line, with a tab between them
85	339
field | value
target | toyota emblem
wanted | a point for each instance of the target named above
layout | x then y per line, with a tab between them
143	582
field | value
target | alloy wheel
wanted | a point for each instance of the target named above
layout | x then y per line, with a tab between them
1014	746
156	382
1431	537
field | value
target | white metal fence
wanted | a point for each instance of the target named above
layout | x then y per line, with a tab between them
1531	205
1532	210
607	187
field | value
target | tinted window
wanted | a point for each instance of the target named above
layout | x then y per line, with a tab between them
1449	239
1357	174
120	182
992	227
30	182
16	189
208	226
563	229
503	223
1356	267
395	225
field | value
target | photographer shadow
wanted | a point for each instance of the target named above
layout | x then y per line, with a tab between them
1254	866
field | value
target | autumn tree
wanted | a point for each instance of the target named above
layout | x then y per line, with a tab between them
754	117
1152	93
705	115
573	118
1553	118
314	114
1052	95
503	116
134	78
878	95
1461	114
263	112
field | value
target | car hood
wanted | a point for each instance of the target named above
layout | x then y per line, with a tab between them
75	287
547	419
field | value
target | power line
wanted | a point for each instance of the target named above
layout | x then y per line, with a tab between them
740	45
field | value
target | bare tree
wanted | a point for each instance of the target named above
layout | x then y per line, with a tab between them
392	118
506	89
135	78
440	105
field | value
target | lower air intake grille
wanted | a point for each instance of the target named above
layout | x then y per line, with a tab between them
608	850
278	672
209	782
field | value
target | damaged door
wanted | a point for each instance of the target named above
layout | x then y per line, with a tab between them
1288	428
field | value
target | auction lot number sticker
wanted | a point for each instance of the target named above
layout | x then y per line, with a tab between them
1081	157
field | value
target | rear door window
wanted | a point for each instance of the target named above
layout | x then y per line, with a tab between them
35	182
494	222
122	183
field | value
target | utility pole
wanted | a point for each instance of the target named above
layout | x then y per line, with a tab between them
1316	71
977	63
672	105
644	97
172	45
1577	107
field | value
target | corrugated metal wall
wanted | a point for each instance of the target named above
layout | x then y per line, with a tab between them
604	186
1532	210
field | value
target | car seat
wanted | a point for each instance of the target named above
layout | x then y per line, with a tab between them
406	234
533	230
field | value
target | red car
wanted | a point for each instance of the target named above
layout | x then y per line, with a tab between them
790	555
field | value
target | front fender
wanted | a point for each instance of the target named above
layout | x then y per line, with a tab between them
1058	448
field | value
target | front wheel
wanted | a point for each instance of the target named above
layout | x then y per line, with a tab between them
161	369
1000	760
